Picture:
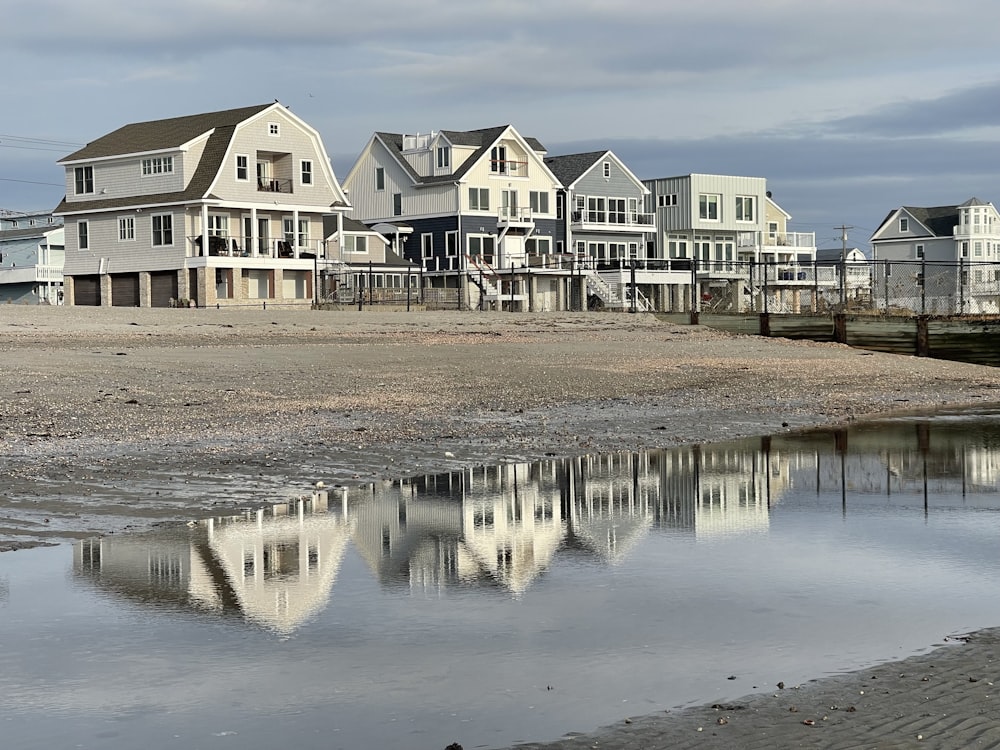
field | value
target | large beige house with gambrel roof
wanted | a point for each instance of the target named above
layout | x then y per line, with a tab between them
222	208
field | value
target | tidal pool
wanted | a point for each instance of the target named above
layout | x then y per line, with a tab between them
509	603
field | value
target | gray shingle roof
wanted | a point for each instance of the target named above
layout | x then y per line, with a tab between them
571	167
163	134
482	139
940	220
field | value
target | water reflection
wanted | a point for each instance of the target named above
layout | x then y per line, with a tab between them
501	527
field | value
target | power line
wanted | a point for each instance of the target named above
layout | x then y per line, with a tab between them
46	141
32	182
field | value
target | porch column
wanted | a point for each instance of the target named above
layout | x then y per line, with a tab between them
205	244
254	234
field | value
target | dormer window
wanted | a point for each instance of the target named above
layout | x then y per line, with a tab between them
83	180
904	225
443	157
158	165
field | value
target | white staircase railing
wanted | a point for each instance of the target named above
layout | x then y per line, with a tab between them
603	290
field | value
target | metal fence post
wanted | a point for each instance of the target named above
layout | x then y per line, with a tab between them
923	286
961	285
766	264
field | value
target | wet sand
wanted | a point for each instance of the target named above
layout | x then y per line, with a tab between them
114	419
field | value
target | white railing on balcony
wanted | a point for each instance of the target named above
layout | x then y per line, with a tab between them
247	247
514	215
613	220
976	230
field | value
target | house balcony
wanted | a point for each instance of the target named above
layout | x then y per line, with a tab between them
975	230
508	168
612	221
511	216
226	246
270	185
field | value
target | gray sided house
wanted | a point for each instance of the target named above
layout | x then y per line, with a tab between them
361	266
603	226
31	258
728	236
222	208
476	209
940	259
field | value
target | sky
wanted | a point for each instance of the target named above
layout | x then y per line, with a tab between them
849	109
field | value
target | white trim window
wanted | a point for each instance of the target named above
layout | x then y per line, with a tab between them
157	165
126	229
427	245
708	207
607	170
83	235
479	199
380	178
617	211
243	167
904	224
918	251
274	129
498	160
481	246
304	232
745	208
218	225
539	201
306	171
83	180
355	244
538	245
162	226
443	157
451	243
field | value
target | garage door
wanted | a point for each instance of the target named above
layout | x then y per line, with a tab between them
162	288
86	290
125	290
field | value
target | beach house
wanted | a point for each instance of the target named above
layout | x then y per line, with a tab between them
221	208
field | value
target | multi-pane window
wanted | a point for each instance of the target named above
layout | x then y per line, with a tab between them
616	211
242	167
498	160
158	165
443	157
919	251
83	235
355	244
607	170
538	245
380	178
666	200
539	201
83	179
596	210
218	225
677	246
978	249
708	207
307	172
481	247
479	199
965	248
745	208
273	128
303	232
126	228
162	226
904	224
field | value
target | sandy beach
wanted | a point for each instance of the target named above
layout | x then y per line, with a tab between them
117	419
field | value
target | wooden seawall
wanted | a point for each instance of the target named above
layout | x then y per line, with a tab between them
962	339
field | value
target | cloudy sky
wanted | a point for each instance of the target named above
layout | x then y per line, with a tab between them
848	108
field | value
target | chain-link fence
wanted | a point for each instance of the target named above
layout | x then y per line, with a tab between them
880	287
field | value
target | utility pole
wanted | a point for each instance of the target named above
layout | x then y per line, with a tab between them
843	265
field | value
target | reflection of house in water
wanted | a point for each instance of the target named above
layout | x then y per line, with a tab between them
611	502
908	458
275	567
498	522
512	521
281	565
722	489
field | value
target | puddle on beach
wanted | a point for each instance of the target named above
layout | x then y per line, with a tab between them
509	603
